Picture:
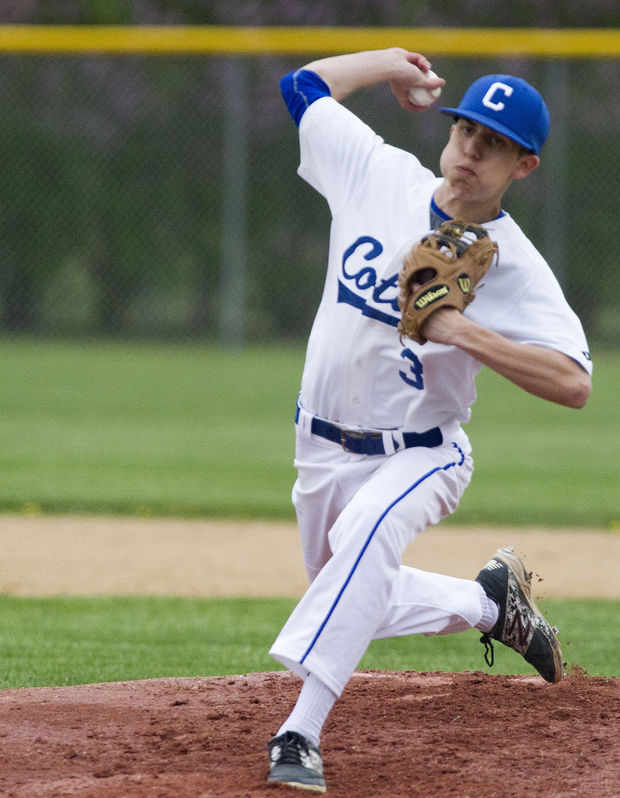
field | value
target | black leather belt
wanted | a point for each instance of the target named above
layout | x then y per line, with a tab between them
361	442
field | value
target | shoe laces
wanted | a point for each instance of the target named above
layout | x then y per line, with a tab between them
489	651
290	744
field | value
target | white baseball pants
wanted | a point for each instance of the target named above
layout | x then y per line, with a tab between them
356	516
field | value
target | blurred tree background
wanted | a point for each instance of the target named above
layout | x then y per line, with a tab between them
127	181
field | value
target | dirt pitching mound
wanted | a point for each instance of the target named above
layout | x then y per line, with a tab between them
393	735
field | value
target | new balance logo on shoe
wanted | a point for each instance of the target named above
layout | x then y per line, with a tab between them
518	621
520	632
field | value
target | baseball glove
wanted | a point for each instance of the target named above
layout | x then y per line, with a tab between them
442	270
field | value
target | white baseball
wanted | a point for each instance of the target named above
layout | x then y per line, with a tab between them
420	96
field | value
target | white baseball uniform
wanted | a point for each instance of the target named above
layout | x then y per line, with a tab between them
357	512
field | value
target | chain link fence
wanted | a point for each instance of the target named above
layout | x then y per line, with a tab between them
150	196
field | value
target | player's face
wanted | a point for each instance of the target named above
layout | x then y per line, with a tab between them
479	164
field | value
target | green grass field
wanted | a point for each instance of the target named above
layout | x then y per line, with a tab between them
62	641
118	428
177	430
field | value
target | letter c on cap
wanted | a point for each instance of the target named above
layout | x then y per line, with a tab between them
488	97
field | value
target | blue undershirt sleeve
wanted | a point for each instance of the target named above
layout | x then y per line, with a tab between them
300	89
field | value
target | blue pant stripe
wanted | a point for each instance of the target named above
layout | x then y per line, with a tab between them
370	537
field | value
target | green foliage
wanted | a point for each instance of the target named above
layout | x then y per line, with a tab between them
63	641
423	13
115	180
200	431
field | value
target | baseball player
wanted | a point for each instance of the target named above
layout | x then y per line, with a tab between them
380	452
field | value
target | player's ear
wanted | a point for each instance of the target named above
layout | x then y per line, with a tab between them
527	164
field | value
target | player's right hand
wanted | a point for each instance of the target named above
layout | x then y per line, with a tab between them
412	74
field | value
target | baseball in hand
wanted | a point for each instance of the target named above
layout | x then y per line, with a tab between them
422	97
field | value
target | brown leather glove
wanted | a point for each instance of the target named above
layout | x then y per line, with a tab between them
442	270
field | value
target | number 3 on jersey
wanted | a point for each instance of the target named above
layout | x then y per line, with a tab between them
413	376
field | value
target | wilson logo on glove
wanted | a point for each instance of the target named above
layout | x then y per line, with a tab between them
431	295
464	283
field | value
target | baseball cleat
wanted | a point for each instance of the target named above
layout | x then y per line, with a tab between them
295	762
520	624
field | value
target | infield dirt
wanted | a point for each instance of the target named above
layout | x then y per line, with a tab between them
391	735
133	556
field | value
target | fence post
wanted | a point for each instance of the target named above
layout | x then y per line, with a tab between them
555	158
234	208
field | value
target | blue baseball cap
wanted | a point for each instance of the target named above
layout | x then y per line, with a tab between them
508	105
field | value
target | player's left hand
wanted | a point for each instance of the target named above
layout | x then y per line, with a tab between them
444	326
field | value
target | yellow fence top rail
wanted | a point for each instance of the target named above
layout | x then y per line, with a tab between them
228	40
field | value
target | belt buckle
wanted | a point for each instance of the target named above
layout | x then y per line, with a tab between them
351	433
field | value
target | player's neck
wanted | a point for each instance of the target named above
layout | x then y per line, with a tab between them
457	207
